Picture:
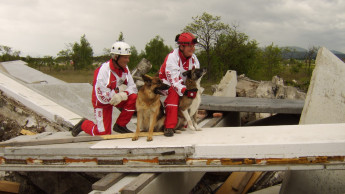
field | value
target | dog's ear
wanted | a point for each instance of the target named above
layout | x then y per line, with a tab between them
187	73
147	79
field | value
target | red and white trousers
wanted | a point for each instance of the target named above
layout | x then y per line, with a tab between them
103	116
171	108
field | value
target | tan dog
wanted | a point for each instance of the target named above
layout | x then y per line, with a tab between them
150	110
189	105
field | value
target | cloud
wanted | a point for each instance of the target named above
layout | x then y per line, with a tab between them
39	27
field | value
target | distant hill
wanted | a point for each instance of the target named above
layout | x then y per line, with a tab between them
340	55
295	48
300	53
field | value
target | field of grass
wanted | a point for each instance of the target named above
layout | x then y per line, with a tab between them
70	76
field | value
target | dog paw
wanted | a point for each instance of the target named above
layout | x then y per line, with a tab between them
135	138
198	129
149	139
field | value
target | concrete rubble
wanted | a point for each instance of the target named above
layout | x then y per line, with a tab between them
274	89
142	68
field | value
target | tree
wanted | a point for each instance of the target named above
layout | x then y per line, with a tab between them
135	58
121	38
235	51
155	52
49	61
207	28
271	58
82	54
65	56
309	56
7	54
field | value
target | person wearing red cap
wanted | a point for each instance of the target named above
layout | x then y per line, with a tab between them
178	61
113	85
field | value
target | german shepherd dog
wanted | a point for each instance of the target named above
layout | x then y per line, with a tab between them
188	106
150	111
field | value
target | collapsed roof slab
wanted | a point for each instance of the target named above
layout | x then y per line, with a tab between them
19	70
267	148
37	102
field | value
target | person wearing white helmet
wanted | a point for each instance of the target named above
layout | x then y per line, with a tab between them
107	92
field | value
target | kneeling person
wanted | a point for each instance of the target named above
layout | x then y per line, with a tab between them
105	94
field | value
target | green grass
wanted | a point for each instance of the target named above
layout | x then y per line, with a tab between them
70	76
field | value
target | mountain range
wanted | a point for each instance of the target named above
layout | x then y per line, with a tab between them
300	53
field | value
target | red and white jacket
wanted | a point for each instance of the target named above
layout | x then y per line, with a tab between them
106	82
173	67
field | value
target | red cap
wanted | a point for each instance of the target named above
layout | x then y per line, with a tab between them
186	38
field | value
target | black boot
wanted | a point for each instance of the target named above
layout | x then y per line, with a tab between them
168	132
119	129
77	128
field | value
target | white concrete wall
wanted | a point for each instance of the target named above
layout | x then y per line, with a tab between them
325	102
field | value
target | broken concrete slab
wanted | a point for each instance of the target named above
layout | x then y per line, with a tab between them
73	96
227	86
142	68
38	103
212	149
19	70
325	103
246	87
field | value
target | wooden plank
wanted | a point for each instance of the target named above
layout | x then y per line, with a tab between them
10	187
107	181
74	139
27	132
236	183
252	181
139	183
245	104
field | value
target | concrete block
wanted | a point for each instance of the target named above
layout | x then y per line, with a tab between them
325	102
227	86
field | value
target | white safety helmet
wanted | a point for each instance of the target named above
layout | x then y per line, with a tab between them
120	48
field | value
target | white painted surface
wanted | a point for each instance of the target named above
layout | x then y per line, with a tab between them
325	102
249	142
36	102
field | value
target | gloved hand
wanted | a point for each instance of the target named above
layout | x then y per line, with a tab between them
191	93
117	98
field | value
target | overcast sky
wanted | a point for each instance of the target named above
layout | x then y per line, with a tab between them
44	27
